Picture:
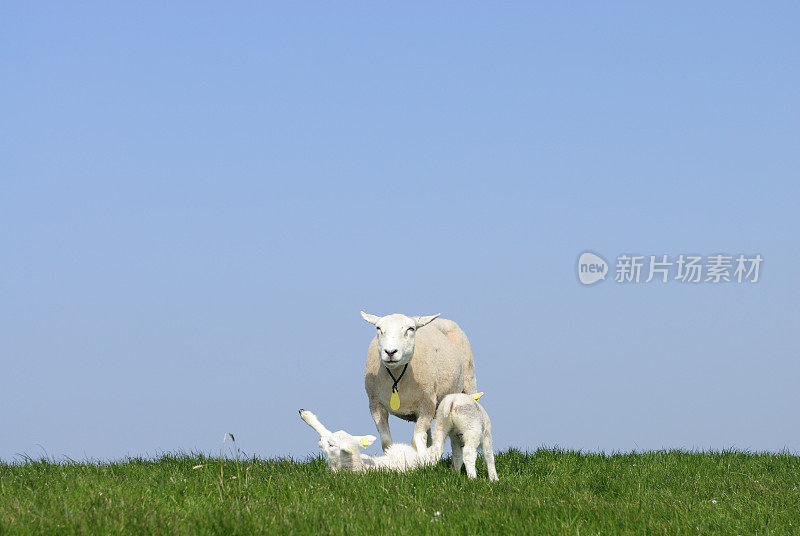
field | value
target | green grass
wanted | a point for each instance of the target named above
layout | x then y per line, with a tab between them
545	492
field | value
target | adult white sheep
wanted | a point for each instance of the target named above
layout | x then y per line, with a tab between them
412	363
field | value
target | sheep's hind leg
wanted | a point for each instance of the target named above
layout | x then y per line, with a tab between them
439	435
471	442
488	456
470	456
458	455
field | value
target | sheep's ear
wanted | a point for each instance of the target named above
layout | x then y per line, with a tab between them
367	440
372	319
424	320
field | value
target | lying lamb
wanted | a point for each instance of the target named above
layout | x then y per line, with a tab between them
466	422
341	450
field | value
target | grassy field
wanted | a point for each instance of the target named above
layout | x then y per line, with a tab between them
544	492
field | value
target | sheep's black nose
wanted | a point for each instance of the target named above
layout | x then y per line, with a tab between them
390	353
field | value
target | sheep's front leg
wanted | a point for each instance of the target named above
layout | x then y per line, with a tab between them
381	417
422	428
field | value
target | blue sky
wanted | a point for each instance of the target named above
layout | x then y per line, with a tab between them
196	202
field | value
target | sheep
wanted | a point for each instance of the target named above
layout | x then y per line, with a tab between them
462	418
412	388
341	450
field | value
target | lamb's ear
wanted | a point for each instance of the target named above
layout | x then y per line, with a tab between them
367	440
370	318
424	320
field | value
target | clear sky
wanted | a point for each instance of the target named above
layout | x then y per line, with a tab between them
196	202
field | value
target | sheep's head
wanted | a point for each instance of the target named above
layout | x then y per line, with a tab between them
396	336
340	448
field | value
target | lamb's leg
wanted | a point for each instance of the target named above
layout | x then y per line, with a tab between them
424	419
458	456
470	456
314	423
439	435
429	438
488	456
381	417
471	442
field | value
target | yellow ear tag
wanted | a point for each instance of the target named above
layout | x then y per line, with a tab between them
477	396
394	401
364	442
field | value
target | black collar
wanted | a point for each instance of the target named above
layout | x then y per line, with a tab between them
394	385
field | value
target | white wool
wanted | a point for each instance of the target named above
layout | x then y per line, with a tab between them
341	450
463	419
439	362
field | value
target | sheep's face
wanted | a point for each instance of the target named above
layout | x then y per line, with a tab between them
396	335
341	449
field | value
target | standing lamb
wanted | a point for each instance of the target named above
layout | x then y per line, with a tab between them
466	422
412	363
341	450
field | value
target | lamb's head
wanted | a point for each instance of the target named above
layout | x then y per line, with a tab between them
340	448
396	335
